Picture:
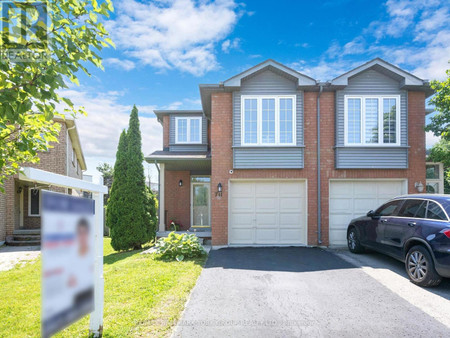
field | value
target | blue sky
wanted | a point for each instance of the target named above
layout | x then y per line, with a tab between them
165	48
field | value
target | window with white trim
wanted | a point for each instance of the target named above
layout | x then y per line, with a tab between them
268	120
188	129
372	120
34	202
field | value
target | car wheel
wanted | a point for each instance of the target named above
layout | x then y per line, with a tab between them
420	267
353	242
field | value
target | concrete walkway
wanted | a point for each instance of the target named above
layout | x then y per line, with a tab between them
12	255
296	292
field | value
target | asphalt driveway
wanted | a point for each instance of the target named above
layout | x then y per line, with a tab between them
292	292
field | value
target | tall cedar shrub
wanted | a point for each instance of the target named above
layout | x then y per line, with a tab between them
115	215
133	209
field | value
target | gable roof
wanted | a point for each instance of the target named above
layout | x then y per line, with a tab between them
384	67
72	130
302	80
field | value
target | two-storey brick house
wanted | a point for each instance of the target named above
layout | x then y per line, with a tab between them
278	158
20	219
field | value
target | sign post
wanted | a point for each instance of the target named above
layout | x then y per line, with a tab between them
96	320
42	177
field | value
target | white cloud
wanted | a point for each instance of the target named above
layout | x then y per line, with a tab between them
100	130
430	139
228	45
174	34
118	63
415	36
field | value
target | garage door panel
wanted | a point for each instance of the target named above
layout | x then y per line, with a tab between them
364	189
362	206
240	219
265	188
289	235
266	220
266	203
290	220
296	189
266	236
341	204
242	236
242	204
267	212
291	203
353	198
338	237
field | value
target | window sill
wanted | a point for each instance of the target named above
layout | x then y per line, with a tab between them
372	146
269	146
188	144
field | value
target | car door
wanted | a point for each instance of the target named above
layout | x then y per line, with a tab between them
398	229
373	228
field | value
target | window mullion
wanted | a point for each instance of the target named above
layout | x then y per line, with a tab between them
188	130
259	121
380	120
277	121
363	120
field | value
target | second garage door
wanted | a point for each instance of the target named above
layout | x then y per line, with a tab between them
267	213
353	198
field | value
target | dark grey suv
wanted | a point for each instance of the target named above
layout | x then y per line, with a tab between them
414	229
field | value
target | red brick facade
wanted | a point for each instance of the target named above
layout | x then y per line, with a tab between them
177	199
57	160
221	153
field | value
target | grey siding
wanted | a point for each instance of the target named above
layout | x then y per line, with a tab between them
268	158
267	83
188	147
371	82
373	158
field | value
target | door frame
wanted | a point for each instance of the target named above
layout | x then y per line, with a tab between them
403	180
191	209
255	180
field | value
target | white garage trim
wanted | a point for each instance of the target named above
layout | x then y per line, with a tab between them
303	213
357	196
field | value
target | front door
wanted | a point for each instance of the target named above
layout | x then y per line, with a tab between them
200	205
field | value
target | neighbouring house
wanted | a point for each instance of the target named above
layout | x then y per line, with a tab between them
252	169
20	205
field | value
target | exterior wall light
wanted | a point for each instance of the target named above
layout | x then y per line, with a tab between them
180	183
219	190
419	186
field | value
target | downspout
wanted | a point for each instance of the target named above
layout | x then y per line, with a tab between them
159	191
319	193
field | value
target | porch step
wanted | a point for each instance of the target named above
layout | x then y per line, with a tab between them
27	232
23	243
24	237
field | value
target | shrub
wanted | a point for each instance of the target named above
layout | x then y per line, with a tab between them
179	246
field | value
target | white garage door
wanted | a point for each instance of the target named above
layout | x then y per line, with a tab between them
351	199
267	212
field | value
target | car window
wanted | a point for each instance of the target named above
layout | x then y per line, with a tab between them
389	208
435	211
413	208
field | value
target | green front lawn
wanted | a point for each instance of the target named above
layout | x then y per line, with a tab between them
144	296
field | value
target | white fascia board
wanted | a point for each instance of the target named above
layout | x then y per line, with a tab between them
410	79
39	176
303	80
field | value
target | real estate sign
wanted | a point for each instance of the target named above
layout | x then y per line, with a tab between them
67	232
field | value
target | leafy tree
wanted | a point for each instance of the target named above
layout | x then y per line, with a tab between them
115	213
108	176
131	212
30	92
440	123
441	153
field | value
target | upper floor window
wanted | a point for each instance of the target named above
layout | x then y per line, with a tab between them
372	120
188	129
268	120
